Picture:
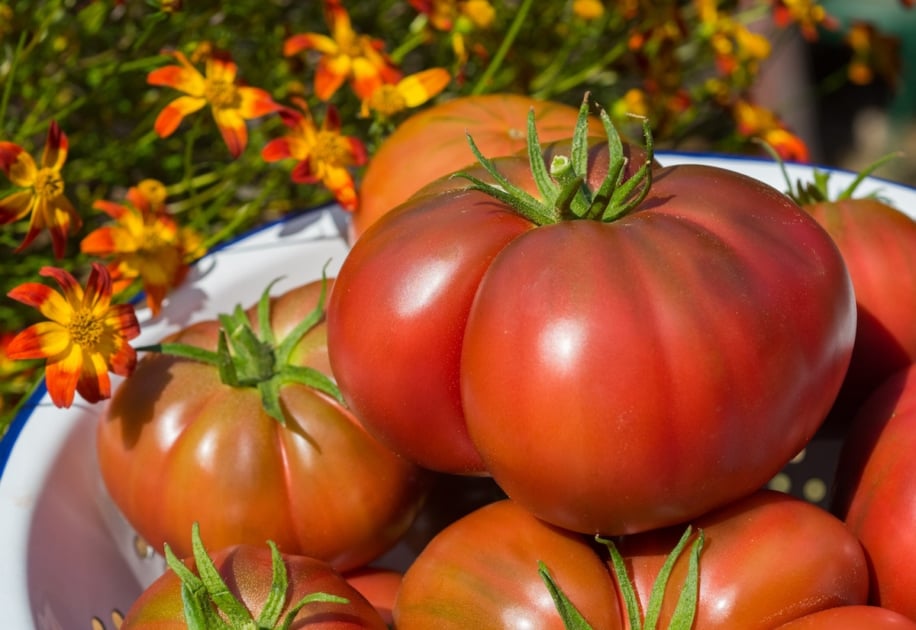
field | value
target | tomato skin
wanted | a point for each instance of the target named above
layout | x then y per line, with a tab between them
379	586
482	572
246	570
767	559
397	314
876	489
177	446
878	244
661	365
497	123
851	618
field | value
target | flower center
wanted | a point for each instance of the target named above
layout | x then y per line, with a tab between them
221	94
387	101
330	149
48	183
85	330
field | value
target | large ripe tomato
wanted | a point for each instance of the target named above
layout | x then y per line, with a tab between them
482	572
878	243
248	573
876	489
851	618
177	445
612	375
432	143
767	559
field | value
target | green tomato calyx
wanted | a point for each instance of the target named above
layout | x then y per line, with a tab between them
249	359
817	190
563	186
685	609
210	605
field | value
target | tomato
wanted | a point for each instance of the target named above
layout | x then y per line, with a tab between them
652	366
851	618
247	571
497	123
766	559
878	244
379	586
177	446
482	572
876	489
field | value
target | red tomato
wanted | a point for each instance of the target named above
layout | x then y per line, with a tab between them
878	244
247	571
851	618
177	445
767	559
497	123
379	587
876	489
482	572
653	367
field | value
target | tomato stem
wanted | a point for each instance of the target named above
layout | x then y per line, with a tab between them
248	359
563	187
205	594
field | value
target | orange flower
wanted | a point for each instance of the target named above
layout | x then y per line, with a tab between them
445	15
390	99
84	338
588	9
344	55
145	243
41	191
758	122
231	104
324	154
808	14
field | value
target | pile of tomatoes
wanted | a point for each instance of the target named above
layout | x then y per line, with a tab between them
563	378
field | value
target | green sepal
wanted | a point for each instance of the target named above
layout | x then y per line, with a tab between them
564	192
245	358
205	594
572	618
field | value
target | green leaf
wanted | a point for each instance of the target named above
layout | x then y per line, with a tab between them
276	597
685	610
657	595
219	593
572	618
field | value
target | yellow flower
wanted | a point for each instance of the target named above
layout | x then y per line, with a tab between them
345	55
41	191
754	121
84	338
323	154
145	243
230	103
588	9
389	99
808	14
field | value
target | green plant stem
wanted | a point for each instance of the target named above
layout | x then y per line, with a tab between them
8	87
483	83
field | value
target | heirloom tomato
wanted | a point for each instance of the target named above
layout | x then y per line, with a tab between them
878	244
482	572
767	558
433	143
619	353
851	618
178	445
875	489
251	586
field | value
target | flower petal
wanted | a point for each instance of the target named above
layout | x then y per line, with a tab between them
255	103
39	341
170	117
16	206
184	78
310	41
420	87
94	384
56	146
232	127
330	75
62	376
18	165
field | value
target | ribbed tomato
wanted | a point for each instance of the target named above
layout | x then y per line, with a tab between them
177	445
617	362
433	143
